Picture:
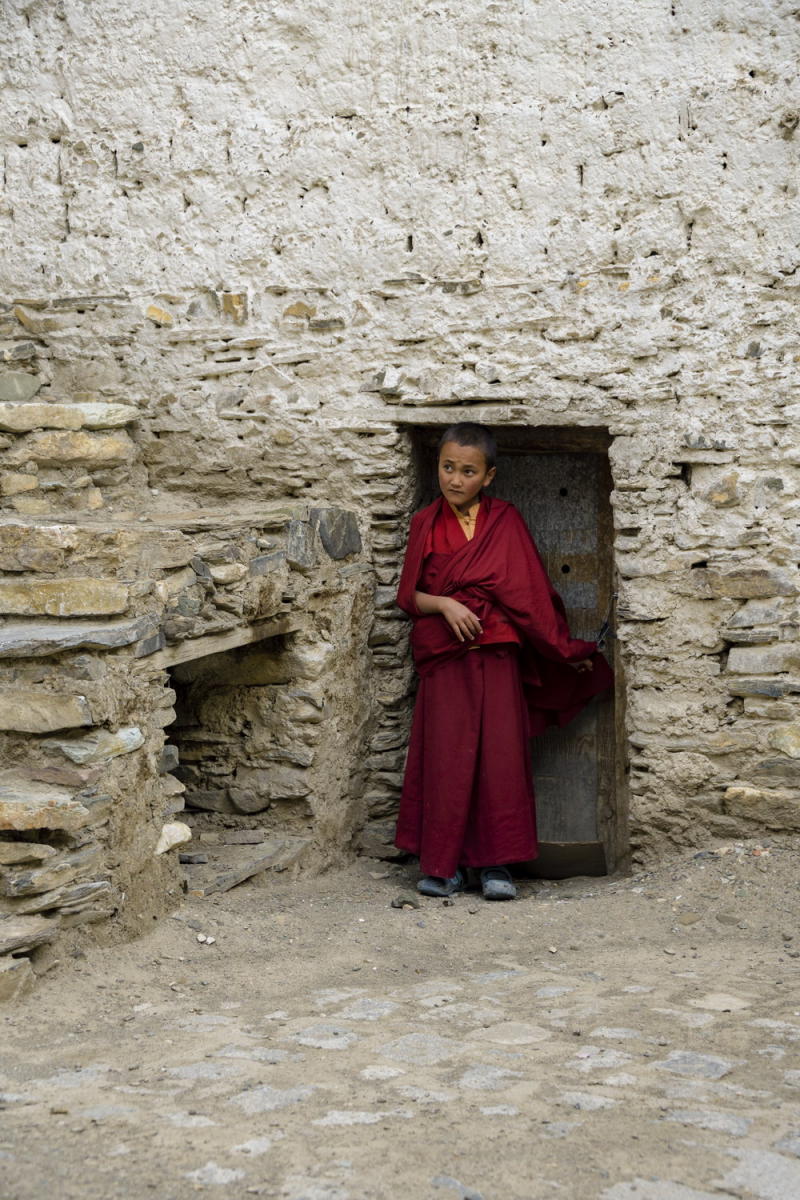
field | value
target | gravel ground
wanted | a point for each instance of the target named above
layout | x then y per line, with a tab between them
630	1038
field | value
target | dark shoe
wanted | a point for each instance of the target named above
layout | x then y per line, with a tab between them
496	884
435	885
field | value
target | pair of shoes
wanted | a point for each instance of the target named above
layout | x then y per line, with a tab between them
496	884
435	885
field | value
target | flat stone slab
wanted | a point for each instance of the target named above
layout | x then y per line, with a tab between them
23	933
267	1099
228	865
483	1077
655	1189
764	1174
324	1036
29	639
366	1009
71	597
211	1174
25	804
720	1002
716	1122
422	1049
99	745
585	1102
24	852
512	1033
25	417
696	1066
29	710
350	1117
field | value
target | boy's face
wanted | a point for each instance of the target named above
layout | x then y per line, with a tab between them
462	473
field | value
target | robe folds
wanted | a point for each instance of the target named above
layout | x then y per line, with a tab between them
467	796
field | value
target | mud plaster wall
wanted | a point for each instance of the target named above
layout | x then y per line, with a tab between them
247	245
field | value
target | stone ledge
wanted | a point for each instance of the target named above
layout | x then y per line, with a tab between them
31	639
270	515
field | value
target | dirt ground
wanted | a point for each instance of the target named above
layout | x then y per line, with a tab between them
629	1038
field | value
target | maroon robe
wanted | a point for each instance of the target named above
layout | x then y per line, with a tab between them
467	795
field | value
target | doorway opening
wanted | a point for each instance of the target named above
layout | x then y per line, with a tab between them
560	480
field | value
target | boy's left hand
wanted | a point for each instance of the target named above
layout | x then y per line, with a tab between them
585	664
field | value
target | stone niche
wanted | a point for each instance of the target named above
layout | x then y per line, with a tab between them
251	731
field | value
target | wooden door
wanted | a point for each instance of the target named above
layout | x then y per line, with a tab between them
564	498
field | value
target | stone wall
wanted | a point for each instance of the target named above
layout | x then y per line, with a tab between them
252	247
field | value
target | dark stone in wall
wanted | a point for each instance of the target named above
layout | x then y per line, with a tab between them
168	760
338	531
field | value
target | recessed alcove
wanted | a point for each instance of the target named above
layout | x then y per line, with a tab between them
560	479
245	732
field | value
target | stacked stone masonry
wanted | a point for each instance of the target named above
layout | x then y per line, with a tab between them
238	278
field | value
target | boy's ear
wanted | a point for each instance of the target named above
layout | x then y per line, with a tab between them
490	474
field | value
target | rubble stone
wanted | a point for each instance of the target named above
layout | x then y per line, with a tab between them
786	738
18	386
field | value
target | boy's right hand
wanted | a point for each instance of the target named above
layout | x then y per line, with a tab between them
463	622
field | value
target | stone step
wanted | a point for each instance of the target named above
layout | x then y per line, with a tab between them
229	865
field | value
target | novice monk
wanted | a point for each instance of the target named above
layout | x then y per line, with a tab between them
496	663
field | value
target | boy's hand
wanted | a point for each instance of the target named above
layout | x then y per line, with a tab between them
585	664
463	622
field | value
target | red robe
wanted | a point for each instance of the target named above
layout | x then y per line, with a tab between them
467	796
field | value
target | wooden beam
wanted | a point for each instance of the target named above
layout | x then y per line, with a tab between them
217	643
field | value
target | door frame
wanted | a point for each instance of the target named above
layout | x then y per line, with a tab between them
532	439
